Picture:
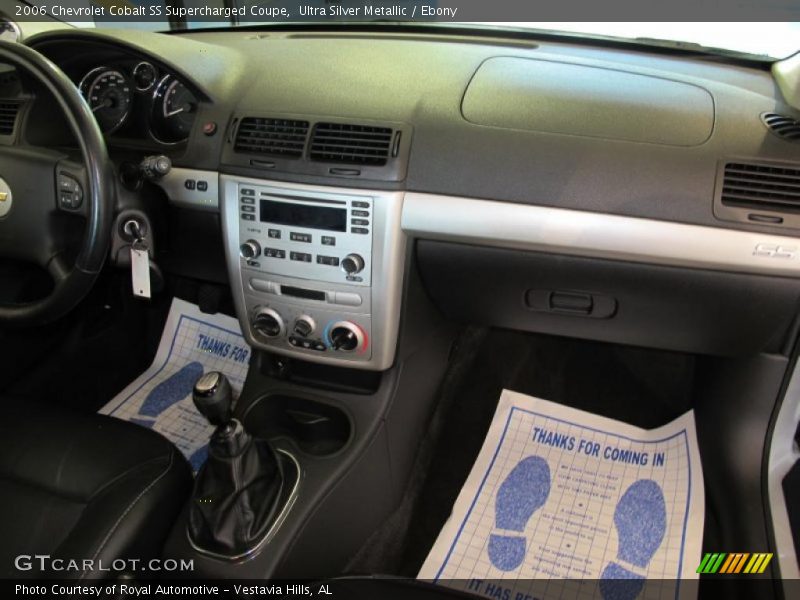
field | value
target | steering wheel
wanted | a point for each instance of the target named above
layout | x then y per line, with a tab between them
39	186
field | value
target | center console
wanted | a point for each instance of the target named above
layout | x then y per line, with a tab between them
318	275
316	272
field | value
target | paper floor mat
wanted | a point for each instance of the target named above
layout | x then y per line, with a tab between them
193	343
562	503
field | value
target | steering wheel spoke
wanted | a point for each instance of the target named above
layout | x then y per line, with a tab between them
58	268
39	185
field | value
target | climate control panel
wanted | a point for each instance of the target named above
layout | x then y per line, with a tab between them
311	330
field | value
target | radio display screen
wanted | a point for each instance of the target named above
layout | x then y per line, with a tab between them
303	215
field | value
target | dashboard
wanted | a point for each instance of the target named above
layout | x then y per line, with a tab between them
325	155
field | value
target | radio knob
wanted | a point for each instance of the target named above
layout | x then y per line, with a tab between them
304	326
250	249
268	323
352	264
346	336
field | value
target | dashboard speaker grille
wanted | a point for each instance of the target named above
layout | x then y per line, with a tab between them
276	137
8	117
782	126
351	144
761	186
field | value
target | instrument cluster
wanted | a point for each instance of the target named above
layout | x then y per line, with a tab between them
129	98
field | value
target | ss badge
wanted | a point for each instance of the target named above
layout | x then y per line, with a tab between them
775	251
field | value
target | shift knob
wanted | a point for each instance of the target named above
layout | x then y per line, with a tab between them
213	397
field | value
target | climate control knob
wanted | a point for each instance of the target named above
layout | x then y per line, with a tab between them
250	249
304	326
268	323
352	264
346	337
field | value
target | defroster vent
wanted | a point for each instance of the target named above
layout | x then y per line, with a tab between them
274	137
352	144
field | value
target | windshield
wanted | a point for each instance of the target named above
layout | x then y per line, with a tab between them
772	40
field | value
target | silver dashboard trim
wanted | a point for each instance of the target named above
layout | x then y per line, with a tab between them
174	185
596	235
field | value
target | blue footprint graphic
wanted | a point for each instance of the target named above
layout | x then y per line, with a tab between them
641	522
523	492
173	389
198	458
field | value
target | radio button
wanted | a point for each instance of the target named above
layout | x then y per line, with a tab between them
248	209
359	222
275	234
328	240
300	237
359	230
348	299
274	253
359	213
359	204
248	192
248	217
246	200
262	285
300	256
202	186
332	261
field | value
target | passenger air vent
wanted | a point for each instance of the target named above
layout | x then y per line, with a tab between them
782	126
767	187
351	144
8	117
275	137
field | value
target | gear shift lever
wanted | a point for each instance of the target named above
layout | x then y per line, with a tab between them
237	490
213	397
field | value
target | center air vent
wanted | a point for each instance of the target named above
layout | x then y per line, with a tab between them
274	137
8	117
766	187
782	126
351	144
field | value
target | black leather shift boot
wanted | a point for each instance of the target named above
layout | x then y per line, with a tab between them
236	493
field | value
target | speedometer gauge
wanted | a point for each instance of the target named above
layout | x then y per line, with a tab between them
108	93
174	109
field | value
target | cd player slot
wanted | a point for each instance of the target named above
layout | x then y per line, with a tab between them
290	290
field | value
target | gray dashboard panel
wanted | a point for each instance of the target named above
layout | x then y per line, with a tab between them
422	82
560	97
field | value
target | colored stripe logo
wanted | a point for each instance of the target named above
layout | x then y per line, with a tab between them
734	562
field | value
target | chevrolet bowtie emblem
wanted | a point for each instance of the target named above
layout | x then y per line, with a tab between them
6	198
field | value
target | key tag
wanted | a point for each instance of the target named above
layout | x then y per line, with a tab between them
140	269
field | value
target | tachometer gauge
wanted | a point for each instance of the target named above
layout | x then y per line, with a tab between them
174	109
109	95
